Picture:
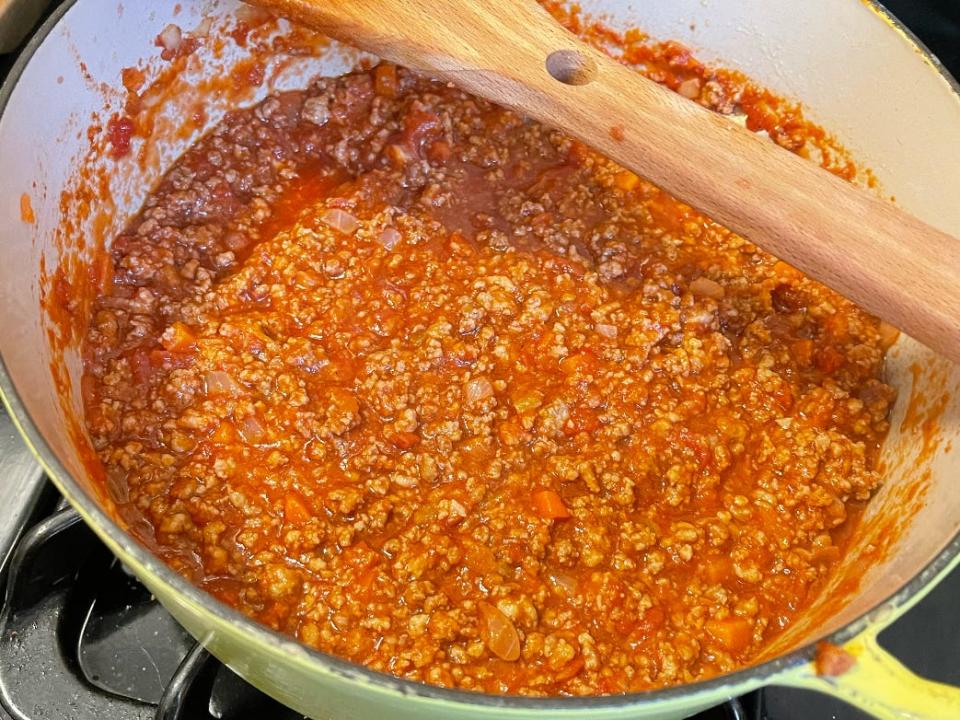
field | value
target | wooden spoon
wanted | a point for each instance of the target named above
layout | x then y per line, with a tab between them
514	54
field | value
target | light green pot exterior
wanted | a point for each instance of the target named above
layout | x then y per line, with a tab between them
38	121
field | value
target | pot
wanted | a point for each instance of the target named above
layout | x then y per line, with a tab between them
859	74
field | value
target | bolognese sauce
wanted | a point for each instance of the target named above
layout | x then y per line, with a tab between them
439	390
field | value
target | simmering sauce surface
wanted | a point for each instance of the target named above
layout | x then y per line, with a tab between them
438	390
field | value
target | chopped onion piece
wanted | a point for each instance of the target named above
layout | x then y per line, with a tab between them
609	331
705	287
389	237
218	382
563	582
170	37
499	633
690	88
253	430
478	389
340	220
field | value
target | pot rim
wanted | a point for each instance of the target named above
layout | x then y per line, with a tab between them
753	676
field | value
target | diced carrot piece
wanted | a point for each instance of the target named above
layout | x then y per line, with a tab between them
542	348
385	80
476	450
526	399
294	509
783	395
626	180
581	363
402	440
225	434
510	432
837	327
178	338
718	569
733	633
479	558
549	504
828	359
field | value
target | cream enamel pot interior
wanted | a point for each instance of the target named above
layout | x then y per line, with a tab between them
858	74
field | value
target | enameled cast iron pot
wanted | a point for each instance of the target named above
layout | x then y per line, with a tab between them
859	74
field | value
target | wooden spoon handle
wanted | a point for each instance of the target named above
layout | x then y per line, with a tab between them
515	54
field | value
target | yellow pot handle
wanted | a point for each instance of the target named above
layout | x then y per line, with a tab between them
870	678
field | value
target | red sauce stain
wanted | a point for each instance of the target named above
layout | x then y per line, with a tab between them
922	416
249	19
618	133
133	79
119	132
833	661
912	417
175	43
26	210
239	33
247	74
672	64
150	94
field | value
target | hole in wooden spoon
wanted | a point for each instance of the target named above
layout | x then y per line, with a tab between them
571	67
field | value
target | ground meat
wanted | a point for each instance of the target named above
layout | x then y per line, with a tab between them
436	389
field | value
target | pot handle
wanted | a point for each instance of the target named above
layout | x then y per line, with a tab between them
866	676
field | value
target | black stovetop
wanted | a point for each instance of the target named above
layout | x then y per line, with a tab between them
80	639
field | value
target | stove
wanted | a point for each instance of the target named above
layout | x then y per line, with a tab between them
81	639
